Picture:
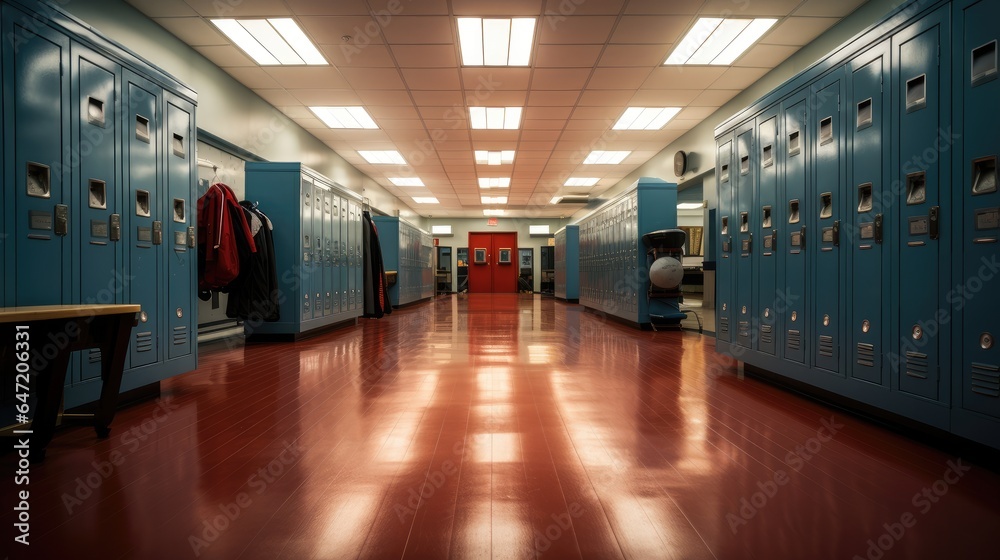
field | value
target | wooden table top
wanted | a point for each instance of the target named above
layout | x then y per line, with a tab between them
44	312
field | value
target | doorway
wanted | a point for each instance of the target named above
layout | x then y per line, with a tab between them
493	262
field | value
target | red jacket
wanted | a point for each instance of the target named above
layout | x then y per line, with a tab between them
218	251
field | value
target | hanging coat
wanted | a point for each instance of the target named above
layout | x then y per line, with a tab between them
254	294
377	289
222	226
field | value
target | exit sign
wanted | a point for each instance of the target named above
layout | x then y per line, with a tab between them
491	222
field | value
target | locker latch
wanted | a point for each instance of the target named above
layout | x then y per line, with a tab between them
116	227
933	218
62	219
878	229
836	233
190	237
774	239
802	235
157	233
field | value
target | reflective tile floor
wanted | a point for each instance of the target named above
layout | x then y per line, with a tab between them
497	426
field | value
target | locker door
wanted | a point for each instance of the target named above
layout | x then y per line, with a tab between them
744	204
96	111
921	104
352	209
766	221
335	254
825	213
359	271
144	232
308	246
792	151
724	278
866	124
981	326
328	229
344	240
37	117
180	219
319	243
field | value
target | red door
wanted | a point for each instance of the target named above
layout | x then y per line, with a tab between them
493	262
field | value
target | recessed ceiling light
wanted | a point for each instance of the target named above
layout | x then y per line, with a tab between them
493	199
581	182
555	200
690	205
493	212
504	157
425	200
494	182
270	42
382	157
344	117
605	158
645	118
406	181
719	41
495	118
496	41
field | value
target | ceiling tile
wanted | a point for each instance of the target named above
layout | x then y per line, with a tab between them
587	124
697	113
559	78
419	30
739	78
296	112
566	56
539	135
777	8
577	30
552	99
543	124
243	8
607	113
582	7
253	77
330	30
765	56
676	77
425	56
437	98
714	97
497	97
659	30
491	79
634	55
325	7
825	8
393	113
678	7
664	97
326	97
431	79
618	78
603	98
384	97
194	31
277	97
224	56
373	78
347	56
158	8
301	77
547	113
493	8
797	30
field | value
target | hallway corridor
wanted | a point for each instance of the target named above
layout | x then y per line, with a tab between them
495	426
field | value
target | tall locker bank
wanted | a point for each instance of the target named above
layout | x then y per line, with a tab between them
871	177
317	245
409	251
567	263
99	172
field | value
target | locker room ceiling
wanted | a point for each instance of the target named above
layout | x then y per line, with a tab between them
591	59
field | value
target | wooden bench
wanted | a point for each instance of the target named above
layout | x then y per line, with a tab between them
54	333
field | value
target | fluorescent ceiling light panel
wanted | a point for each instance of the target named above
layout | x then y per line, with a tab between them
645	118
406	181
494	182
538	230
441	230
504	157
581	182
496	41
719	41
493	199
495	118
600	157
382	157
271	42
425	200
555	200
493	212
690	206
344	117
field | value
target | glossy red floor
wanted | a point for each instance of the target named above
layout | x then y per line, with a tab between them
495	427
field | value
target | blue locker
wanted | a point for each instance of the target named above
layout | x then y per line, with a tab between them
37	98
867	127
743	196
181	222
979	201
319	242
921	107
766	220
96	110
344	241
725	271
335	255
328	224
567	263
828	142
352	282
142	124
308	242
792	152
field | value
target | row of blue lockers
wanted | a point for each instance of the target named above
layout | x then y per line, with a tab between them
858	221
409	251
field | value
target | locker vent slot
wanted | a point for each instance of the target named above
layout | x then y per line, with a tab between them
865	113
180	336
143	341
916	188
744	329
38	180
826	131
142	128
767	156
916	365
725	225
744	165
98	198
95	111
793	211
826	205
766	334
794	340
794	143
178	145
142	204
984	175
985	379
94	356
744	222
765	221
864	198
179	214
984	63
916	93
866	354
826	346
724	324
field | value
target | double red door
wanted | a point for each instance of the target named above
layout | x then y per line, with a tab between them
493	262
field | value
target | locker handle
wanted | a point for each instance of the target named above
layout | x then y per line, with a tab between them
802	234
157	233
116	227
62	219
836	233
774	239
878	229
934	221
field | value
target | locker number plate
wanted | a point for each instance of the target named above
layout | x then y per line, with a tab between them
987	218
796	239
918	225
868	230
40	220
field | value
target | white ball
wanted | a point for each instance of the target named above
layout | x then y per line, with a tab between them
666	273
